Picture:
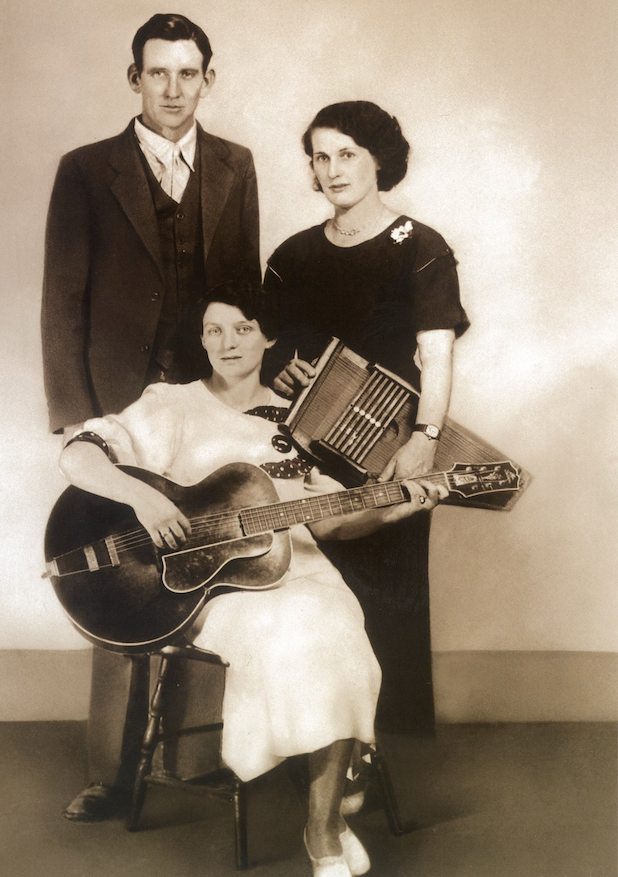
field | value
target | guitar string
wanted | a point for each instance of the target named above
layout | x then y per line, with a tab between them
132	538
342	495
266	517
262	515
255	515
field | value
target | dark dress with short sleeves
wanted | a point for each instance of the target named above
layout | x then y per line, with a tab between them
375	297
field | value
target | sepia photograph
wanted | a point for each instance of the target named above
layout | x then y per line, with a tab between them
310	498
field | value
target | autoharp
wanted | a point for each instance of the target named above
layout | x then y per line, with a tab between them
356	414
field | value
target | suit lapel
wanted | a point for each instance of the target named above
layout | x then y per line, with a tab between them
130	187
216	181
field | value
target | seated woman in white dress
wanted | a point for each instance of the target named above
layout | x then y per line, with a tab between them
302	676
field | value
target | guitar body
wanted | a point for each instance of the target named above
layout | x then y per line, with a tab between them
134	597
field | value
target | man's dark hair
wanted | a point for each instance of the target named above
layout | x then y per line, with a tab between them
373	129
168	26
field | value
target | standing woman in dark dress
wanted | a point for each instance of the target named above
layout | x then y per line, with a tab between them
387	286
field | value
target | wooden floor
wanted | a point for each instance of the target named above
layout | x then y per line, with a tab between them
513	800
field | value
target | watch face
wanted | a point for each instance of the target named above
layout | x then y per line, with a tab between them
432	431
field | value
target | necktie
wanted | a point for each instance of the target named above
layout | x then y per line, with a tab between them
175	174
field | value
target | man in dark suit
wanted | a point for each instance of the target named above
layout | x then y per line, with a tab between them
139	226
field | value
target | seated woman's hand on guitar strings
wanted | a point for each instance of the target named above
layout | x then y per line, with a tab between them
165	523
423	495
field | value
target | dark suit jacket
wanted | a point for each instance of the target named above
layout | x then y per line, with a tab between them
103	285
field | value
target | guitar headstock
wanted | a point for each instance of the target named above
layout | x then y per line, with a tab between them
471	479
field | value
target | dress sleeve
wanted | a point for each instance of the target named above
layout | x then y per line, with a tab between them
147	434
434	286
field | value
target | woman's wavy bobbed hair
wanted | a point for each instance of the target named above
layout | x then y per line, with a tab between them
254	301
250	297
373	129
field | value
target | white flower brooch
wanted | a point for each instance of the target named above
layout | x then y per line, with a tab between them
402	232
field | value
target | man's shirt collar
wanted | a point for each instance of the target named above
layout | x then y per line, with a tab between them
163	149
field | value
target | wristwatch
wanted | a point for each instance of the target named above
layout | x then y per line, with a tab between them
428	429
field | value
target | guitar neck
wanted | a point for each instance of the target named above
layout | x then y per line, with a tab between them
280	515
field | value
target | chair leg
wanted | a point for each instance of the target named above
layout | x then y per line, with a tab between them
149	744
395	822
240	824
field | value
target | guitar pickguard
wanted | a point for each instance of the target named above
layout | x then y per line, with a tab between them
183	571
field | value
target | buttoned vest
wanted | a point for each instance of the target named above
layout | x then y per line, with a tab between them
182	258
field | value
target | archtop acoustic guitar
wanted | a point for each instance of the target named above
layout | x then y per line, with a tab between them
125	594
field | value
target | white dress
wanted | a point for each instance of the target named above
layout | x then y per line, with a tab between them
302	673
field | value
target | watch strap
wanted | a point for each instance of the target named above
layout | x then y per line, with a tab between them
428	429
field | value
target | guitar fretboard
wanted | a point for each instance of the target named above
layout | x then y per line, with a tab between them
263	519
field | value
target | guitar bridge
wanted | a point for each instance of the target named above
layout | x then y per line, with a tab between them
111	550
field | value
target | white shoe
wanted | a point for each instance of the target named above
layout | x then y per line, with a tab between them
328	866
351	804
354	853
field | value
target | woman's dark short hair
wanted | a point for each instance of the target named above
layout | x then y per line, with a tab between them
166	26
250	297
256	303
373	129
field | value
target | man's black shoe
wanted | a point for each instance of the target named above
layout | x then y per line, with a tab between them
97	803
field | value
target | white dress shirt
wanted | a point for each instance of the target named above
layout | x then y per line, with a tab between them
171	163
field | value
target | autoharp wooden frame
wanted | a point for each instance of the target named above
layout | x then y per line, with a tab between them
356	414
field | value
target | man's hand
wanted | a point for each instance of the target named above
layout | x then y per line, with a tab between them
297	374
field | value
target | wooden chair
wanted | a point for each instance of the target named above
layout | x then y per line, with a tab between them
184	762
180	769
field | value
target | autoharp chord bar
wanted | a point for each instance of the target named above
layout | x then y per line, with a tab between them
390	404
367	416
371	416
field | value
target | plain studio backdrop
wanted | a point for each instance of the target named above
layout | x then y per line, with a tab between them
510	109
